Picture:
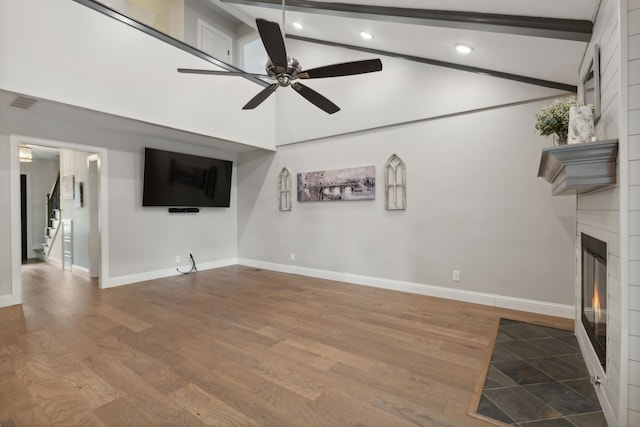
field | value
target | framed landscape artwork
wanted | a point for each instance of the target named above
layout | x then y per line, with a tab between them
340	184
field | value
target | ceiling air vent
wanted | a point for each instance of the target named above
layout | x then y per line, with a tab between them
23	102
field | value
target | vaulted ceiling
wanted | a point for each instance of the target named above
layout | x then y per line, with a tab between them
540	42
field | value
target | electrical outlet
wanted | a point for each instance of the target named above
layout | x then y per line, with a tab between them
178	259
456	275
292	256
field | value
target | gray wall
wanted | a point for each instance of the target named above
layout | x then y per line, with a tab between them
148	239
474	204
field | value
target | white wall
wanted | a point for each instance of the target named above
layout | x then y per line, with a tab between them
217	18
75	163
41	175
5	224
474	204
633	95
75	55
598	214
195	9
402	92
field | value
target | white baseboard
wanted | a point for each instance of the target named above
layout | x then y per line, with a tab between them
112	282
81	271
54	261
493	300
9	300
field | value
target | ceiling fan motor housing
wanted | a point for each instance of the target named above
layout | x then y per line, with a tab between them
280	75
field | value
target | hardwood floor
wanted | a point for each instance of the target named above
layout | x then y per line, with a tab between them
238	346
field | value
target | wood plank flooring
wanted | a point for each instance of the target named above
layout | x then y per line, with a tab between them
238	346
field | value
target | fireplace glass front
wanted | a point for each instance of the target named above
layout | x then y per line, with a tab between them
594	294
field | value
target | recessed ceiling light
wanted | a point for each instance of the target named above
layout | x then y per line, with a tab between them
365	35
297	25
463	48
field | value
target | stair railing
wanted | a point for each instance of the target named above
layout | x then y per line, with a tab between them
53	200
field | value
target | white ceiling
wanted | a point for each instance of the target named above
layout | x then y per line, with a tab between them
44	153
537	57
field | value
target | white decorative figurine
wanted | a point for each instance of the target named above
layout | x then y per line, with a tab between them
580	124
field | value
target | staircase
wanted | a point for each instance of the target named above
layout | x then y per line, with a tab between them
51	231
53	221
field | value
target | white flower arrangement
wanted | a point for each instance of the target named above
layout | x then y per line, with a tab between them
554	118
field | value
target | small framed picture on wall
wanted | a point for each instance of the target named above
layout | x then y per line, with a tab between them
68	187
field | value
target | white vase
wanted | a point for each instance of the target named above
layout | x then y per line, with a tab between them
580	124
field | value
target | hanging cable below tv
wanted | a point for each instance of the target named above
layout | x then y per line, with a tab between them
193	269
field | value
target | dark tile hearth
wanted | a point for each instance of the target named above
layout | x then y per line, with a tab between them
522	372
562	398
537	378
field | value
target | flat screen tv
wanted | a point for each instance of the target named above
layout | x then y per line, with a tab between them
175	179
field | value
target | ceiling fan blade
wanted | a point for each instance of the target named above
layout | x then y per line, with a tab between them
260	97
220	73
343	69
315	98
273	42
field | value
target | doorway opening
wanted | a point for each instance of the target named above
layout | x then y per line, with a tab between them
64	183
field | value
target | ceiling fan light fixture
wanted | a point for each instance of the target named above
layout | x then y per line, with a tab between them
464	48
297	25
365	35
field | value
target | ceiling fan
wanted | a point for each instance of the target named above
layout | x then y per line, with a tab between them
283	70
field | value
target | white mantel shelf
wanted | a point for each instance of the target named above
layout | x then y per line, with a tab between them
579	168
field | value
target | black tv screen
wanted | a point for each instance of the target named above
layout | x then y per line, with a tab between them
175	179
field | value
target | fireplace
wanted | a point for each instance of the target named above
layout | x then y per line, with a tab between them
594	294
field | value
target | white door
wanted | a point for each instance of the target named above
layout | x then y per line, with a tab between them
214	42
